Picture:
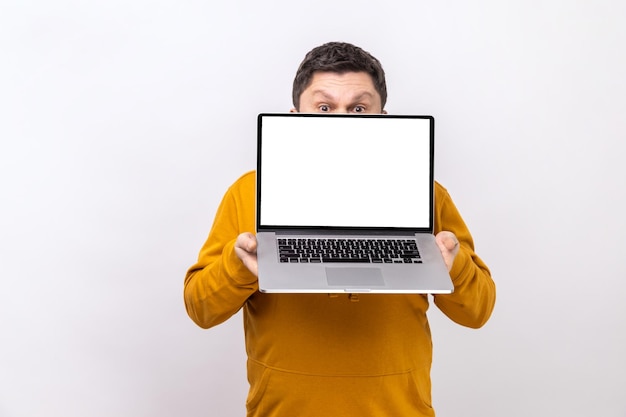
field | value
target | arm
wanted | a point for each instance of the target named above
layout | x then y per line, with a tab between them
474	294
218	285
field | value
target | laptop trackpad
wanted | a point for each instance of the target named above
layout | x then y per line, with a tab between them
355	277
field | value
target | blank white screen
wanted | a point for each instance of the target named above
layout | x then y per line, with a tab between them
345	171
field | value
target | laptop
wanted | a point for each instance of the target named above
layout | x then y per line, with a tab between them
345	204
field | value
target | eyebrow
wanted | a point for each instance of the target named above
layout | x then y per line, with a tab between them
322	93
363	95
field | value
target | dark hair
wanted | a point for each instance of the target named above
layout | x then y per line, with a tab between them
339	57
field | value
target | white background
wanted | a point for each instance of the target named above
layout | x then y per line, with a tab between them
122	123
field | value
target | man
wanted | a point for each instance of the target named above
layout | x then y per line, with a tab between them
324	354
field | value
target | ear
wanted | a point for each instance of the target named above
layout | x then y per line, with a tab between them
293	110
384	111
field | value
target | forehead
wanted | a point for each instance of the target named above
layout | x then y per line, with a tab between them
332	83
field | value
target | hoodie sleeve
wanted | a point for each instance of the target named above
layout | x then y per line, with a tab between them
474	296
219	284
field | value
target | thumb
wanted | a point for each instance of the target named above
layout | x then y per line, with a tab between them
447	241
246	242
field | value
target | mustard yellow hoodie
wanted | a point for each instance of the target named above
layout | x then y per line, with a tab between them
314	355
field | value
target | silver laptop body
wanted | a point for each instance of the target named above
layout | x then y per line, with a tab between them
345	204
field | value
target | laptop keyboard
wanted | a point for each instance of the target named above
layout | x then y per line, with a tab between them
400	251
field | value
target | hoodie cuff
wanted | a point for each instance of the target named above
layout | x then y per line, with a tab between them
459	267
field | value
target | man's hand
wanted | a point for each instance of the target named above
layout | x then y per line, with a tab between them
449	247
245	248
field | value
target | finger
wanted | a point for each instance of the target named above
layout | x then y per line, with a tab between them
247	242
447	241
452	242
254	268
251	243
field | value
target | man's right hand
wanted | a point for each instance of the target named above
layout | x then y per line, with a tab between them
245	248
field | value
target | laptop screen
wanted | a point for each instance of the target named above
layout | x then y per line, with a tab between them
344	171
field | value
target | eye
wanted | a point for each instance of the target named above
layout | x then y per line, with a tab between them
359	109
324	108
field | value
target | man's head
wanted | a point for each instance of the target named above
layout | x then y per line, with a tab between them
339	77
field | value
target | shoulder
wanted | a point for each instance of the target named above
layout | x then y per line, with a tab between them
241	193
246	178
445	210
247	182
441	193
238	203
